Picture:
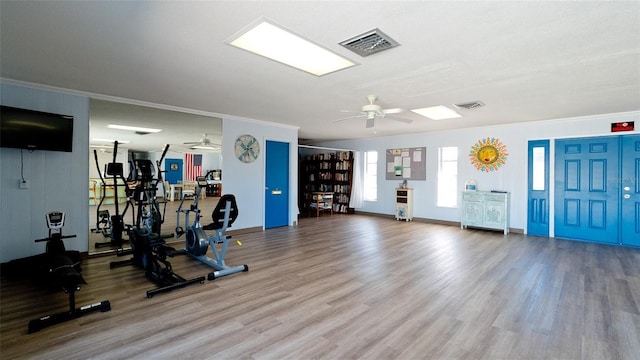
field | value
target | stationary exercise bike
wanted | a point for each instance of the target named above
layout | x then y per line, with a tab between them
197	241
58	268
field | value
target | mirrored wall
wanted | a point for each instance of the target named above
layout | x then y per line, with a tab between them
142	133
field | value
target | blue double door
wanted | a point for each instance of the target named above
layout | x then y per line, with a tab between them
597	189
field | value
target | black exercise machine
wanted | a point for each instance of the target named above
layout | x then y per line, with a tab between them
111	226
58	268
148	244
197	241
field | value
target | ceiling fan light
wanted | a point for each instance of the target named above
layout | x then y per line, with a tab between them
370	122
439	112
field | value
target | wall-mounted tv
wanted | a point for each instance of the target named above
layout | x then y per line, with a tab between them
35	130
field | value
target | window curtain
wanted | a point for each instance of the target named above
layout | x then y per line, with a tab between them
355	202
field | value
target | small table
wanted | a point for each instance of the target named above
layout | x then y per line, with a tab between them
321	202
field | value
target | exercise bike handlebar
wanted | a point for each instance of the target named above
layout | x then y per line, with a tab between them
61	237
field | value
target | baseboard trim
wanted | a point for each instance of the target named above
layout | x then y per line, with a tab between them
430	221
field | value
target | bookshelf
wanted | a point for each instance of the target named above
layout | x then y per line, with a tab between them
326	173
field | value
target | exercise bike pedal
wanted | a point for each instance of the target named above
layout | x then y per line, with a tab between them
179	232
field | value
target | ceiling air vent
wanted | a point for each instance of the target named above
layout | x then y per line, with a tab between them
371	42
470	105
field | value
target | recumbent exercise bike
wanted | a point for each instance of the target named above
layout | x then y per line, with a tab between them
197	240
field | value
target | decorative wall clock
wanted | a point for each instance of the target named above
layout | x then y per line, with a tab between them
488	154
247	148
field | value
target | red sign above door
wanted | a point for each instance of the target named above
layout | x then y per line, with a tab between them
622	126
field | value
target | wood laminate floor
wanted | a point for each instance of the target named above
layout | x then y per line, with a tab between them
353	286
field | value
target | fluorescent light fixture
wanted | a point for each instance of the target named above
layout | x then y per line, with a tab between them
133	128
111	141
439	112
275	43
205	147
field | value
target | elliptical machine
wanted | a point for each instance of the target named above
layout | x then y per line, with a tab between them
57	268
148	246
197	241
111	226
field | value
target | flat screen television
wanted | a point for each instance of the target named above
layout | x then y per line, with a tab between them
35	130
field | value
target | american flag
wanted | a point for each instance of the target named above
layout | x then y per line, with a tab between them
193	166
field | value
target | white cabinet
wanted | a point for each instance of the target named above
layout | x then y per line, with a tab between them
404	204
486	210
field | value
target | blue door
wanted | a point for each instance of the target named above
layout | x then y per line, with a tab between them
173	168
630	187
586	200
597	191
538	194
277	184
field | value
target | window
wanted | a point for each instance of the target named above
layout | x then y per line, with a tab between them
371	176
448	176
538	168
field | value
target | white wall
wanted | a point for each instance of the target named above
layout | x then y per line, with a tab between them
511	177
211	161
55	178
246	180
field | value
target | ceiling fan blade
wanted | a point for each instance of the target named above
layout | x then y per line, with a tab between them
396	118
192	142
349	117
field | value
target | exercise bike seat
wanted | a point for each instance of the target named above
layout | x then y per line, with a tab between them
218	213
63	272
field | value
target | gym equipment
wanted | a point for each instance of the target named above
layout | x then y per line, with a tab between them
111	226
58	268
197	241
148	246
103	224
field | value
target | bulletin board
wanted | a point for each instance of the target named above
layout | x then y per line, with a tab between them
406	164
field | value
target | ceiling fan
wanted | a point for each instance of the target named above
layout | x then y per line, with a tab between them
204	143
371	110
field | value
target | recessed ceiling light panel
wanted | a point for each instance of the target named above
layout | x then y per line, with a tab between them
439	112
133	128
205	147
276	43
110	141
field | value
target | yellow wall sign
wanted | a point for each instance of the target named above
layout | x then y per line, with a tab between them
488	154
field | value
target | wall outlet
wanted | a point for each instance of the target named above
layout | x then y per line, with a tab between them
23	184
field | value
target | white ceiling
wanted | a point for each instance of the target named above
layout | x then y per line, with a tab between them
526	61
